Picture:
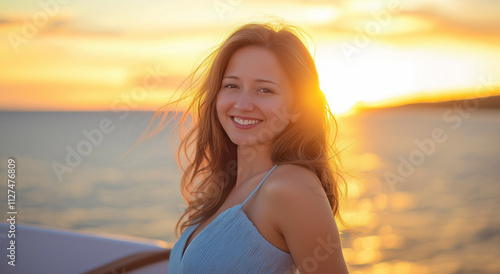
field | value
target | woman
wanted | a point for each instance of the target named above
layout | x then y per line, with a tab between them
262	185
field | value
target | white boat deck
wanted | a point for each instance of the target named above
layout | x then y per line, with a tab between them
43	250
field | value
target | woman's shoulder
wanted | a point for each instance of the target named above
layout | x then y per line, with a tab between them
291	175
290	182
297	204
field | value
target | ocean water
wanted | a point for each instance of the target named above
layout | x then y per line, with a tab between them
423	195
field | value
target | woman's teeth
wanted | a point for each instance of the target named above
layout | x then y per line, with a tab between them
245	122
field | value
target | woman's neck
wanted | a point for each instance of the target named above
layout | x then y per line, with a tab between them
252	160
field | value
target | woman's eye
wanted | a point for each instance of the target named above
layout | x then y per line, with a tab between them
265	90
230	86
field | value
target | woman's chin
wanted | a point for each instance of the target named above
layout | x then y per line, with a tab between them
245	144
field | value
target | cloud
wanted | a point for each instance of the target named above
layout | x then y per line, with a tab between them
5	21
480	17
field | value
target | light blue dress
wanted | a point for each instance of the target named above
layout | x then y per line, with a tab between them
229	244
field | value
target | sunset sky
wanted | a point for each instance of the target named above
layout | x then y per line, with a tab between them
105	55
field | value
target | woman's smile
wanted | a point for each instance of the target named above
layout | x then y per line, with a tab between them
245	123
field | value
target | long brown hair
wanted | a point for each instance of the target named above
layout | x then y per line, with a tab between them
210	171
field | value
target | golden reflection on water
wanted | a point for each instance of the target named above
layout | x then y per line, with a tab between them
369	238
364	253
442	216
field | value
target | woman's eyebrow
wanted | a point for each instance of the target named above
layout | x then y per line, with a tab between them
256	80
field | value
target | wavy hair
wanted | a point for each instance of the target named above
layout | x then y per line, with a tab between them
210	172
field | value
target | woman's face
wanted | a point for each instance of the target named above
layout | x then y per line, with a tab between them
254	104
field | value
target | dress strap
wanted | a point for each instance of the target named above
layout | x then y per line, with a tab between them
255	190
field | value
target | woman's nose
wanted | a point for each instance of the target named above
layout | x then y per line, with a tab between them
243	101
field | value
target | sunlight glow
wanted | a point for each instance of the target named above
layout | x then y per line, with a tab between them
91	54
386	72
321	14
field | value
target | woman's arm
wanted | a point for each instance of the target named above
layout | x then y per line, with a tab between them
302	213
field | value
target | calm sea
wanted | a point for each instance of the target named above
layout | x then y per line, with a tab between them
424	194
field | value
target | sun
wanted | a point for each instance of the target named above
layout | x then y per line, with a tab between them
368	79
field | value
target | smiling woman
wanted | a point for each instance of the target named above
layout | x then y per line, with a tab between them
263	184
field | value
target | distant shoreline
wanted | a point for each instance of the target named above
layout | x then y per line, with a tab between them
491	102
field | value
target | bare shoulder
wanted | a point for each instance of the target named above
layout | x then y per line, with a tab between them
291	182
295	194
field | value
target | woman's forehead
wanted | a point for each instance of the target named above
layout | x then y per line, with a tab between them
256	62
